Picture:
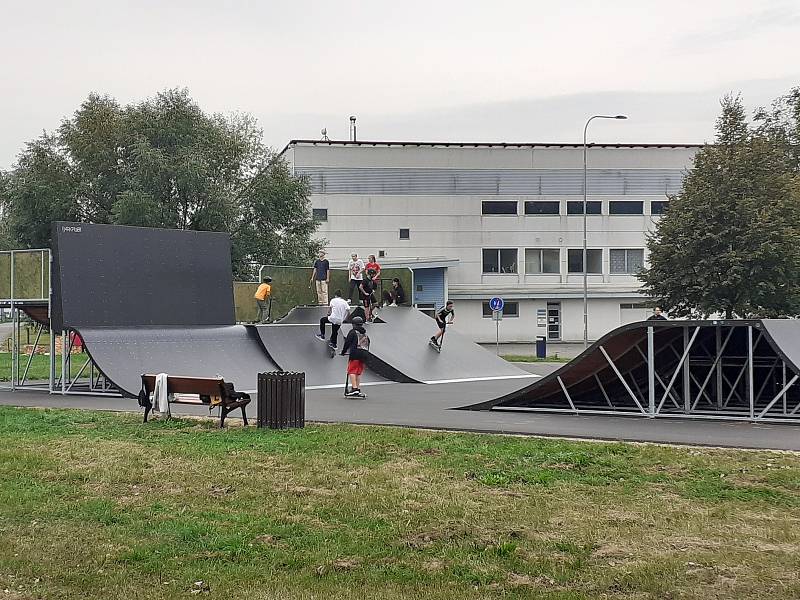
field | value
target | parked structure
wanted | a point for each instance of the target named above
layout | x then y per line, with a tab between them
480	220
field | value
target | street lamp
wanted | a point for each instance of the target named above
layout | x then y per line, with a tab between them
585	265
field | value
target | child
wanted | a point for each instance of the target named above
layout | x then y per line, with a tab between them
357	343
372	265
355	270
398	293
367	288
263	292
442	321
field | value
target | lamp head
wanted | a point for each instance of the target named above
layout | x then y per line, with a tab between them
620	116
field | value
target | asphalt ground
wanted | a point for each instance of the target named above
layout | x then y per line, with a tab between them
429	406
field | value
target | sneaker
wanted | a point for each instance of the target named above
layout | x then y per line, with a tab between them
353	393
393	304
433	339
320	337
332	345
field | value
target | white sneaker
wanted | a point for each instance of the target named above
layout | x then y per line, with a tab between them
321	338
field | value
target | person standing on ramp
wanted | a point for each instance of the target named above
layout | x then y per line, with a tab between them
355	269
357	344
320	277
263	296
337	313
443	318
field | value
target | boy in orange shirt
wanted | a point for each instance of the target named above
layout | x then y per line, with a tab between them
263	292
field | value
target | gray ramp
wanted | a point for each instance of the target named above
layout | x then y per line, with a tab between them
785	337
402	343
123	354
293	347
308	315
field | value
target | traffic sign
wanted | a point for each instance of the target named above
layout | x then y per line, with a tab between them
496	303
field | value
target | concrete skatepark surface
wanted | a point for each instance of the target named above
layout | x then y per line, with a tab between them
414	405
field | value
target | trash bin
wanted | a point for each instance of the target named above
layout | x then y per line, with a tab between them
281	400
541	346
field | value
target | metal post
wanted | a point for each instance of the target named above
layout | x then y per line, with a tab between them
585	270
14	335
651	373
750	383
687	400
719	366
585	192
784	385
497	337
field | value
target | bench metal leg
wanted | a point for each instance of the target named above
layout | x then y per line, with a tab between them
244	417
147	410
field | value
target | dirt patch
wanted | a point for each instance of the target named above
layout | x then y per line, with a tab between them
300	490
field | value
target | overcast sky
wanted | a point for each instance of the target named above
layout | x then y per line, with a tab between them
527	70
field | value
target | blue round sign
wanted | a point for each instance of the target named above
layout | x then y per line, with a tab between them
496	303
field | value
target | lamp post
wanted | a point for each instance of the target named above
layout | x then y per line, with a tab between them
585	265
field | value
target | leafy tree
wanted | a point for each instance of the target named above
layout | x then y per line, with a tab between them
781	125
730	241
163	163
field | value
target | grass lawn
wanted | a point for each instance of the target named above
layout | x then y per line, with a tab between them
40	366
96	505
533	358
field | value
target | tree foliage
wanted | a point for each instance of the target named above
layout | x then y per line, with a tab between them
162	163
730	241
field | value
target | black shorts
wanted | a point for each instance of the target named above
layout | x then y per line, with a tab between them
442	324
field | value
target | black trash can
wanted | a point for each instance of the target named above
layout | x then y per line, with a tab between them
281	399
541	346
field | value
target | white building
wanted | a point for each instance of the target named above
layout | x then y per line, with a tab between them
483	220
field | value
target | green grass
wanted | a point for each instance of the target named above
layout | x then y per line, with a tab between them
40	366
97	505
533	358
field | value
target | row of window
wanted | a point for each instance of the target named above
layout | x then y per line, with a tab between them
511	309
548	260
574	207
551	207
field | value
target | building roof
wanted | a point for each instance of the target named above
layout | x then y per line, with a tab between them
365	143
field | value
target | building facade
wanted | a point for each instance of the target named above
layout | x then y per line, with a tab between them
475	221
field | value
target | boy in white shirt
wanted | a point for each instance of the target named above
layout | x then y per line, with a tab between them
355	268
338	310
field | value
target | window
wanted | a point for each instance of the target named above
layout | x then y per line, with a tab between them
659	207
626	260
510	309
594	258
499	207
632	306
593	207
319	214
500	260
542	208
542	260
625	207
405	234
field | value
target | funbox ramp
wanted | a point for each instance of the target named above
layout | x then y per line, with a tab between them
402	343
699	368
293	347
124	354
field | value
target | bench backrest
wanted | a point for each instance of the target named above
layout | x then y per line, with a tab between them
205	386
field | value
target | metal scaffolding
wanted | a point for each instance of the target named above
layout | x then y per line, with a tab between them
725	369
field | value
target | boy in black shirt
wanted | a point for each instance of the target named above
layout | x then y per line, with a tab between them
366	289
356	344
442	321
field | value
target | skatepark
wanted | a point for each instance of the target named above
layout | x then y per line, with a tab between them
161	301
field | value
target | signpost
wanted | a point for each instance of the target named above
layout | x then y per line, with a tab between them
497	304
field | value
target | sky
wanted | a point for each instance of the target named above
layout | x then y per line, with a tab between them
501	71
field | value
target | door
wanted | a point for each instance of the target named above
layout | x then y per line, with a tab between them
554	320
429	289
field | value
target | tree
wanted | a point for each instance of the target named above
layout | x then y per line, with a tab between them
730	241
163	163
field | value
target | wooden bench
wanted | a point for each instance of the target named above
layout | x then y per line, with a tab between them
204	387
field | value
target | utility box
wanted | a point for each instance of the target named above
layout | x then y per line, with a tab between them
281	400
